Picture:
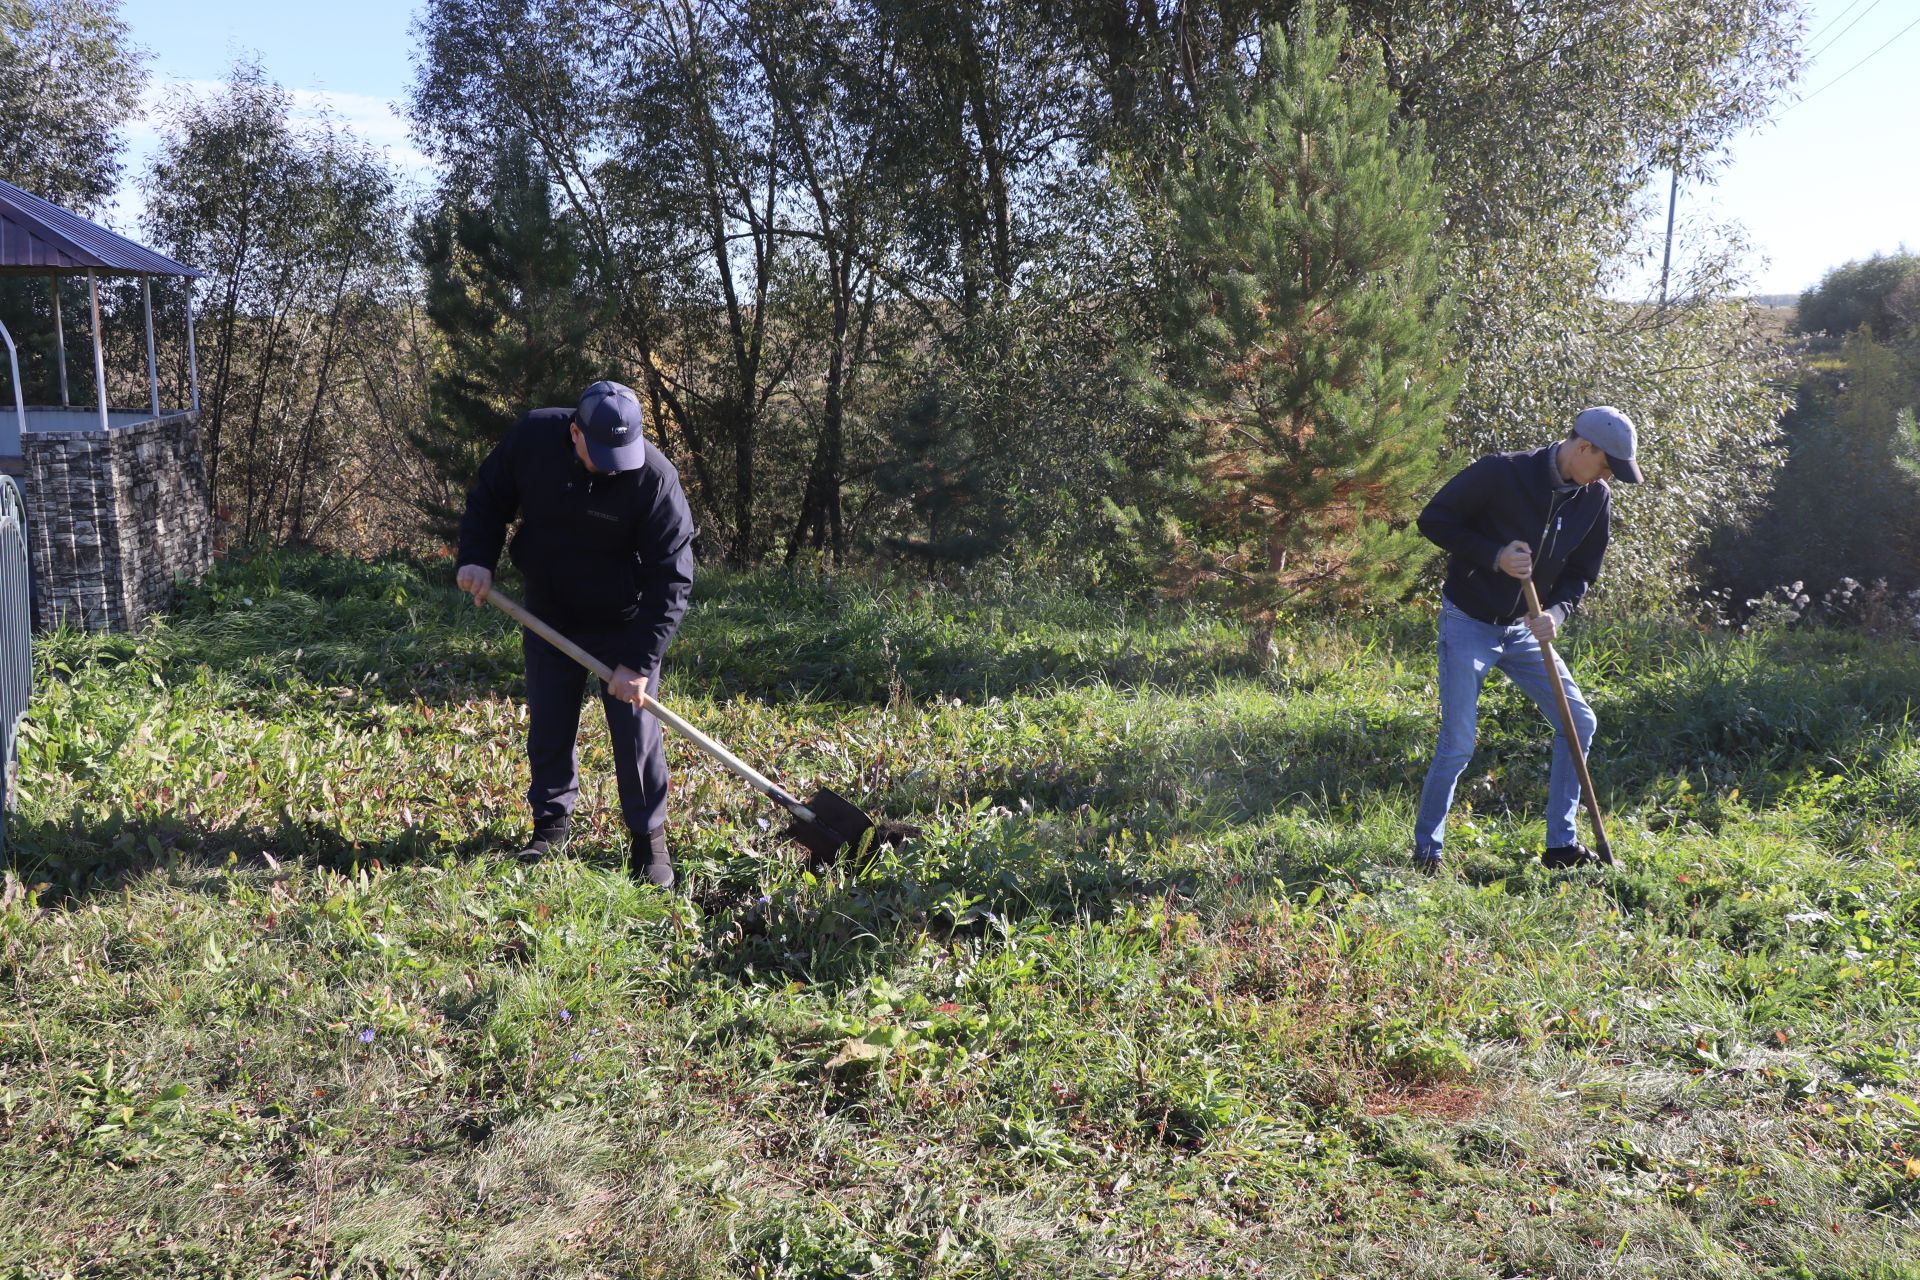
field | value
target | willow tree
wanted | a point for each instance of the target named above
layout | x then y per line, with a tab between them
70	80
1307	350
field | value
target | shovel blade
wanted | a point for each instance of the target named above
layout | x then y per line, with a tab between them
838	823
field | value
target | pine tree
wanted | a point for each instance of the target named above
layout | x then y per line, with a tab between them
936	466
1307	349
507	290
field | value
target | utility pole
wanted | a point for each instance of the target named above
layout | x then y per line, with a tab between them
1666	259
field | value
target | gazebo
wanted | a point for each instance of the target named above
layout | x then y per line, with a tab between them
116	498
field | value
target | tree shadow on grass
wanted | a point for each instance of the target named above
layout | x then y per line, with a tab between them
399	631
868	661
77	859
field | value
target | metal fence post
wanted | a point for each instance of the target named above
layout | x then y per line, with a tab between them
19	404
16	639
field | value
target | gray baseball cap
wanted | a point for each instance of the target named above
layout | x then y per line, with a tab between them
1608	430
609	417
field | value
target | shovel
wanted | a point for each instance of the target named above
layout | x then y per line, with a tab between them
1566	727
825	824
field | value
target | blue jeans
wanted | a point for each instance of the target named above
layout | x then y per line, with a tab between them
1469	649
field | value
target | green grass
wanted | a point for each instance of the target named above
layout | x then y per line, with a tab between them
1155	994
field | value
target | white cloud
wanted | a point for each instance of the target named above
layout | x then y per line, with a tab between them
374	121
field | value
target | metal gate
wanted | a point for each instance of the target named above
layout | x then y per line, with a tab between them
16	636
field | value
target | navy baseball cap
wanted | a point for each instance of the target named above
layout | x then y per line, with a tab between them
609	417
1608	430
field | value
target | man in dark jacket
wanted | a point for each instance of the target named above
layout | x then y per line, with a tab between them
606	545
1542	515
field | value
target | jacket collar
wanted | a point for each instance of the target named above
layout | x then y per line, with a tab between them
1548	470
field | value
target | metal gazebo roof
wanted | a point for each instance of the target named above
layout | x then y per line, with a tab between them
38	237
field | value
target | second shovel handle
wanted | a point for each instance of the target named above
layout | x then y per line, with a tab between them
747	773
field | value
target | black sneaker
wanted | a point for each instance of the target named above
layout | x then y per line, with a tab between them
1427	861
649	860
547	838
1566	857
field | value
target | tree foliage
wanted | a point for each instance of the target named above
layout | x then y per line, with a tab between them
1845	503
811	214
304	306
1545	122
1305	333
70	78
507	291
938	466
807	217
1880	294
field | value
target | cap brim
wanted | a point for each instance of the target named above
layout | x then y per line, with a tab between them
626	457
1625	470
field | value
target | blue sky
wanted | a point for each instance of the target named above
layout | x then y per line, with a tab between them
347	58
1826	181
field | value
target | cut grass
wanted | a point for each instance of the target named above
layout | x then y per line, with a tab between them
1154	994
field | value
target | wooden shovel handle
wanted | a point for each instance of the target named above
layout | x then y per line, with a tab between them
747	773
1567	726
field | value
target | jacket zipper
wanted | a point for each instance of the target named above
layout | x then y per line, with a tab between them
1547	532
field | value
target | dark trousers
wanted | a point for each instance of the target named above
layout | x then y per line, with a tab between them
555	686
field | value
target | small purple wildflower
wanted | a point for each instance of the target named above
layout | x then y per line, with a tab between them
366	1036
764	824
989	917
578	1057
566	1015
766	900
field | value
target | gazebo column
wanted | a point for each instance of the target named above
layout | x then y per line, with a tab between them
99	355
193	359
153	369
59	342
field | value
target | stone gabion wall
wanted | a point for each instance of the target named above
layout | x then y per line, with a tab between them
113	519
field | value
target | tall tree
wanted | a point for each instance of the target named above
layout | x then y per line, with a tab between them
226	192
825	67
665	156
295	231
697	105
1881	293
988	106
69	80
1544	121
517	312
1845	503
940	470
1306	345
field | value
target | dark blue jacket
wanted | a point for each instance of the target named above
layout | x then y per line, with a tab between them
599	552
1508	497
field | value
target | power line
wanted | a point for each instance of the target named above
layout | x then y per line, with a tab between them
1843	31
1828	24
1856	66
